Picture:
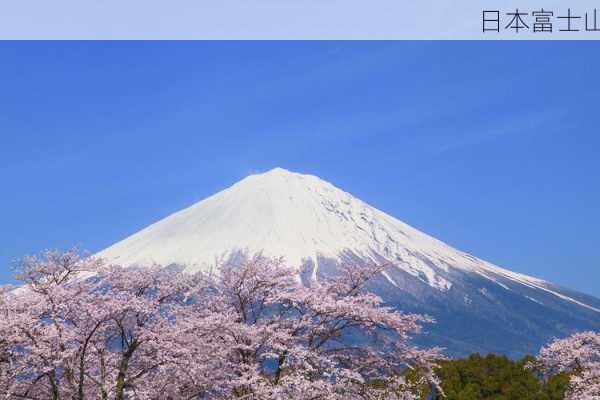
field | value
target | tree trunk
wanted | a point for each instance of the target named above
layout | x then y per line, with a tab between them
55	391
120	386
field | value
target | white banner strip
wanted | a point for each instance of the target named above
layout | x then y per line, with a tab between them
299	19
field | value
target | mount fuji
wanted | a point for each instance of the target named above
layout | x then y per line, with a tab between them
478	306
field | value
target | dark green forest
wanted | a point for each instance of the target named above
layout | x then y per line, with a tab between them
494	377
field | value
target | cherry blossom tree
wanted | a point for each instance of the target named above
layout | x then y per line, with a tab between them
285	340
578	354
78	329
81	329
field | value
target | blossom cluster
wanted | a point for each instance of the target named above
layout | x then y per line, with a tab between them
579	355
81	329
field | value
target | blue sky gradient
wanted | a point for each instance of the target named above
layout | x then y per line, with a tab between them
491	147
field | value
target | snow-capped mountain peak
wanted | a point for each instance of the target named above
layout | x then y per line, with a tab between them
302	218
313	224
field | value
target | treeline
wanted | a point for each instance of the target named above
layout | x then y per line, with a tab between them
77	328
567	368
494	377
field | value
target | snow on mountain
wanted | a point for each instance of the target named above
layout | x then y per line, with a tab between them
300	217
479	306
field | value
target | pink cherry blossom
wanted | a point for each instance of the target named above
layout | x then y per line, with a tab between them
580	355
80	329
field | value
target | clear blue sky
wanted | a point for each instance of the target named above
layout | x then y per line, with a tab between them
491	147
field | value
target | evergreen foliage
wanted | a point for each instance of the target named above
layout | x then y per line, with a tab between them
494	377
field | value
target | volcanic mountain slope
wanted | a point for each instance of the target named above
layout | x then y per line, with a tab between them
478	306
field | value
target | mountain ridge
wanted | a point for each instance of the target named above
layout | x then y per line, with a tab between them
310	222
